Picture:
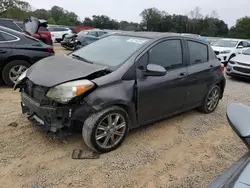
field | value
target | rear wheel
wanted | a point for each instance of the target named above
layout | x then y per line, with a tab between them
13	70
211	101
106	130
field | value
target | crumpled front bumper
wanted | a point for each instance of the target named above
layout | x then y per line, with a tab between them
51	118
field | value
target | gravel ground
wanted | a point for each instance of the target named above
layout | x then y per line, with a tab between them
186	151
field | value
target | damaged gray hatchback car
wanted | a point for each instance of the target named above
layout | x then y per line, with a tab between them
120	82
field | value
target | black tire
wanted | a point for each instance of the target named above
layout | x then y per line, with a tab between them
8	67
204	108
90	127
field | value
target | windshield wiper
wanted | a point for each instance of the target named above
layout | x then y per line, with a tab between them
81	58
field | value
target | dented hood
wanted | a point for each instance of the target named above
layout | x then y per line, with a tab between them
55	70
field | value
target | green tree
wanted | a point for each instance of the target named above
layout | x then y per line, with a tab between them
51	21
151	18
6	4
87	22
242	28
42	14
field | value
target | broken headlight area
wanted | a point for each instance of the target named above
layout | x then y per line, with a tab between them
63	93
47	107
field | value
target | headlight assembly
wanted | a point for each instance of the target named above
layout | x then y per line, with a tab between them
63	93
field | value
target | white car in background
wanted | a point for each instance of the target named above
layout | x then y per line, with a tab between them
58	32
239	66
226	49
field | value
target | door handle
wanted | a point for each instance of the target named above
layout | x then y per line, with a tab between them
211	66
182	75
3	51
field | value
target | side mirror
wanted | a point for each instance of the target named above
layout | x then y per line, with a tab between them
240	47
238	116
155	70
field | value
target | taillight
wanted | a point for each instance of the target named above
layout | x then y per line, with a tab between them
222	68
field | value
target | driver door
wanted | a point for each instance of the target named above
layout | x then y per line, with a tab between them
158	96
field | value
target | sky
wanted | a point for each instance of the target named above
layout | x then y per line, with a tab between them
129	10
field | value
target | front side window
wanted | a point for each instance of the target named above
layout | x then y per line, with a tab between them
167	54
246	44
198	52
108	52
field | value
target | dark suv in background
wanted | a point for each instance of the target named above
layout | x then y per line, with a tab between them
43	33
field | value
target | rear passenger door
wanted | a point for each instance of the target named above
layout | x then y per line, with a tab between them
200	72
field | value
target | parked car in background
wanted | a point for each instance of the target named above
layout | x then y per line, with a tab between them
94	32
239	66
120	82
226	49
42	34
238	175
73	42
19	51
58	32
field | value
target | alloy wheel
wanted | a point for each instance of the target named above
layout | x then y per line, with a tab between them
15	72
110	130
213	99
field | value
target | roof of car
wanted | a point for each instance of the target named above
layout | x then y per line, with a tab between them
152	35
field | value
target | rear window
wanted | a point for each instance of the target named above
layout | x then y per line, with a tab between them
42	28
21	25
10	24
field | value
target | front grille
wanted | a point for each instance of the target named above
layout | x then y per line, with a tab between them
243	70
217	52
244	64
37	93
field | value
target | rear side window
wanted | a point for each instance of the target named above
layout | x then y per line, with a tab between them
198	52
10	24
168	54
7	37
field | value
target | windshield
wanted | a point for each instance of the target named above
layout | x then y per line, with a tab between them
247	52
225	43
110	51
82	33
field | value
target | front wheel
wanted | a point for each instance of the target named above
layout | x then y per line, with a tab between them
211	101
106	130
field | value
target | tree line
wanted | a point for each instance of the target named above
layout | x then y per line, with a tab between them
153	19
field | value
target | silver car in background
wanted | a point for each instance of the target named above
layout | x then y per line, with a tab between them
239	66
